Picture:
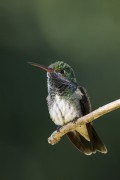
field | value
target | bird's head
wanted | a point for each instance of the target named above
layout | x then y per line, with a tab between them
58	70
61	78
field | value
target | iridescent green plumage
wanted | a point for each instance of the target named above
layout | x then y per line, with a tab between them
68	101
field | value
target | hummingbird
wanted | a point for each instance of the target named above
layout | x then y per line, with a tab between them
68	101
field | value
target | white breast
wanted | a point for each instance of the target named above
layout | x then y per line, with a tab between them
63	111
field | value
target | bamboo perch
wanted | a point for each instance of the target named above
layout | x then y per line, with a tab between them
56	135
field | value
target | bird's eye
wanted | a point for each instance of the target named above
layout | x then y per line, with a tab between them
62	71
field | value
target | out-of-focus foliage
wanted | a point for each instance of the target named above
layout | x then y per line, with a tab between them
84	34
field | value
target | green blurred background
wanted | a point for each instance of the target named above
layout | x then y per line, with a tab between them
85	34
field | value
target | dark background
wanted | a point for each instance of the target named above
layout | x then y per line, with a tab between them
86	35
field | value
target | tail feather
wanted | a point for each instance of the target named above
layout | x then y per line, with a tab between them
85	146
80	142
99	145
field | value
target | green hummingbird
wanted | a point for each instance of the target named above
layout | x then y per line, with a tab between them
67	101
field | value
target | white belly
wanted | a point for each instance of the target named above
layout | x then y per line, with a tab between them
63	111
